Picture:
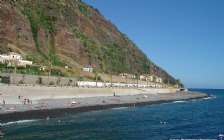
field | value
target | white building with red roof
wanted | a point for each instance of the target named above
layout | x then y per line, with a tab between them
13	58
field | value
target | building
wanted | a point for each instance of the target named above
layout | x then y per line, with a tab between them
176	86
13	59
123	74
43	68
88	69
159	80
130	76
151	78
147	77
14	55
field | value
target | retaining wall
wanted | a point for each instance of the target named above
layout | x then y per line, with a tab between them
44	92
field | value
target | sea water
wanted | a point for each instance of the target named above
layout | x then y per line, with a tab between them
198	119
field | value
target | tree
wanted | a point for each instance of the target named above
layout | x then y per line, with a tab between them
126	77
137	77
177	81
111	78
154	79
15	63
147	79
49	67
96	76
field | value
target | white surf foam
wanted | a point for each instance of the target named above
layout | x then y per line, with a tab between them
207	98
179	101
118	108
17	122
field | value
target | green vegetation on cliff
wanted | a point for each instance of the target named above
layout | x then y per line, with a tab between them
71	33
40	19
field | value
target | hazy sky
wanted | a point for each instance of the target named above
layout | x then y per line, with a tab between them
184	37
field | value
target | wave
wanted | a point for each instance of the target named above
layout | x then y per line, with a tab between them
179	101
207	98
17	122
118	108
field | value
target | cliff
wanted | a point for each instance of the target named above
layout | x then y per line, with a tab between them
70	33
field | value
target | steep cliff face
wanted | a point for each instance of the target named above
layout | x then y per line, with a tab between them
70	33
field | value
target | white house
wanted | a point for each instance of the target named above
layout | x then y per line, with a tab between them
176	86
150	78
12	59
14	55
88	69
2	60
142	77
43	68
159	80
130	76
123	74
147	77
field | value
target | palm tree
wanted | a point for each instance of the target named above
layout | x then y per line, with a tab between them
137	77
15	65
96	76
111	78
147	79
177	82
126	77
49	67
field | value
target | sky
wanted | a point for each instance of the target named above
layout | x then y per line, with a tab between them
184	37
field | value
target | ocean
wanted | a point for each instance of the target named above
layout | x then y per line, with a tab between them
198	119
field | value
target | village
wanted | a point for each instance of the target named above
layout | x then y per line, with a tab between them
15	60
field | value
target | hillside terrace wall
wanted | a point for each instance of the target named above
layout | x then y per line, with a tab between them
68	81
35	80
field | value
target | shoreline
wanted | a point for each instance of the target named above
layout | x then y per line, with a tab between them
87	106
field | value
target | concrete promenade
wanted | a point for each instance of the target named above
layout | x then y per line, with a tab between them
10	93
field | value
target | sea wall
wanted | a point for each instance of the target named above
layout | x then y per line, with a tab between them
44	92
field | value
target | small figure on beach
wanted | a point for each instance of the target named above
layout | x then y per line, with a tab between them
1	134
72	103
19	97
59	120
114	93
3	102
14	108
48	118
24	101
133	104
44	105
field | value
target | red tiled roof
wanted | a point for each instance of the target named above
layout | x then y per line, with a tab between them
14	53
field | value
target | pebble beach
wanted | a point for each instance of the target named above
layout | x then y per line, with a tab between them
23	108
